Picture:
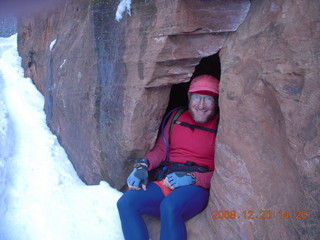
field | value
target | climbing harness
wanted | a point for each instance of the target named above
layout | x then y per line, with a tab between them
167	167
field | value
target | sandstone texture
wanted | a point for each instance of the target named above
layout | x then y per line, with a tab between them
267	156
107	85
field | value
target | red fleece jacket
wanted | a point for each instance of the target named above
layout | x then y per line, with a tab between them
196	145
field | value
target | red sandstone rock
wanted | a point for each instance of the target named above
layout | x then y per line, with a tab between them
107	86
100	74
267	155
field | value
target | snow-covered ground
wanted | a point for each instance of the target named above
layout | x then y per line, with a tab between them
41	196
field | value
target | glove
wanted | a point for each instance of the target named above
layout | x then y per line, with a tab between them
179	179
139	176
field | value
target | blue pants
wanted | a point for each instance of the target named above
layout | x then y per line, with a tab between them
173	210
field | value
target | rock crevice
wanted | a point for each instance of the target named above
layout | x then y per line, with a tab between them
107	85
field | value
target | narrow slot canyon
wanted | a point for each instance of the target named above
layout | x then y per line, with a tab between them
108	84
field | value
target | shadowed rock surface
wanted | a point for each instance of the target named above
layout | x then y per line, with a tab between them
107	85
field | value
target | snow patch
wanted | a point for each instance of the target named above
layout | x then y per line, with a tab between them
124	5
64	61
41	195
52	44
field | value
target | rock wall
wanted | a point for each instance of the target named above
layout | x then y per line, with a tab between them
267	155
107	85
101	76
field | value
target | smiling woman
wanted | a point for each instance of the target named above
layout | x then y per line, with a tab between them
184	150
202	107
203	96
209	65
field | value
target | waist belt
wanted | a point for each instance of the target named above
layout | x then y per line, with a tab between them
168	167
184	167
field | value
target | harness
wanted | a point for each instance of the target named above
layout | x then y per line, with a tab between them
188	125
166	166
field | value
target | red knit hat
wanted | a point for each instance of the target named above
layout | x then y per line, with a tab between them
204	83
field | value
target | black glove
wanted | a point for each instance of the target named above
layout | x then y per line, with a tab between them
139	176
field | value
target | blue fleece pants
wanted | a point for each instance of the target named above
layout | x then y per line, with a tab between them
173	210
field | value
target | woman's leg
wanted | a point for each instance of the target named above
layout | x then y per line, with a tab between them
133	204
178	207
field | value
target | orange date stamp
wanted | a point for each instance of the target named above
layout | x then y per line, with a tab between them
263	214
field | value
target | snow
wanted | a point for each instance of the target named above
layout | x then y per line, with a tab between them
122	7
64	61
52	44
41	196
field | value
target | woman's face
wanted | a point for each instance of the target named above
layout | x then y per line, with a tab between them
202	107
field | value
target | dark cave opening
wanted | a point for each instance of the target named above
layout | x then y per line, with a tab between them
208	65
179	92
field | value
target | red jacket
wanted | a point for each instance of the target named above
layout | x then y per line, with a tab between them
185	144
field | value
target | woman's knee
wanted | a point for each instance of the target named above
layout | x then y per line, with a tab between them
122	203
126	202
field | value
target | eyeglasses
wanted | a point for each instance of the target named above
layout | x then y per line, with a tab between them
196	98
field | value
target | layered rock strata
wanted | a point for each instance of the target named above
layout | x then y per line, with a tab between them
107	83
107	86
